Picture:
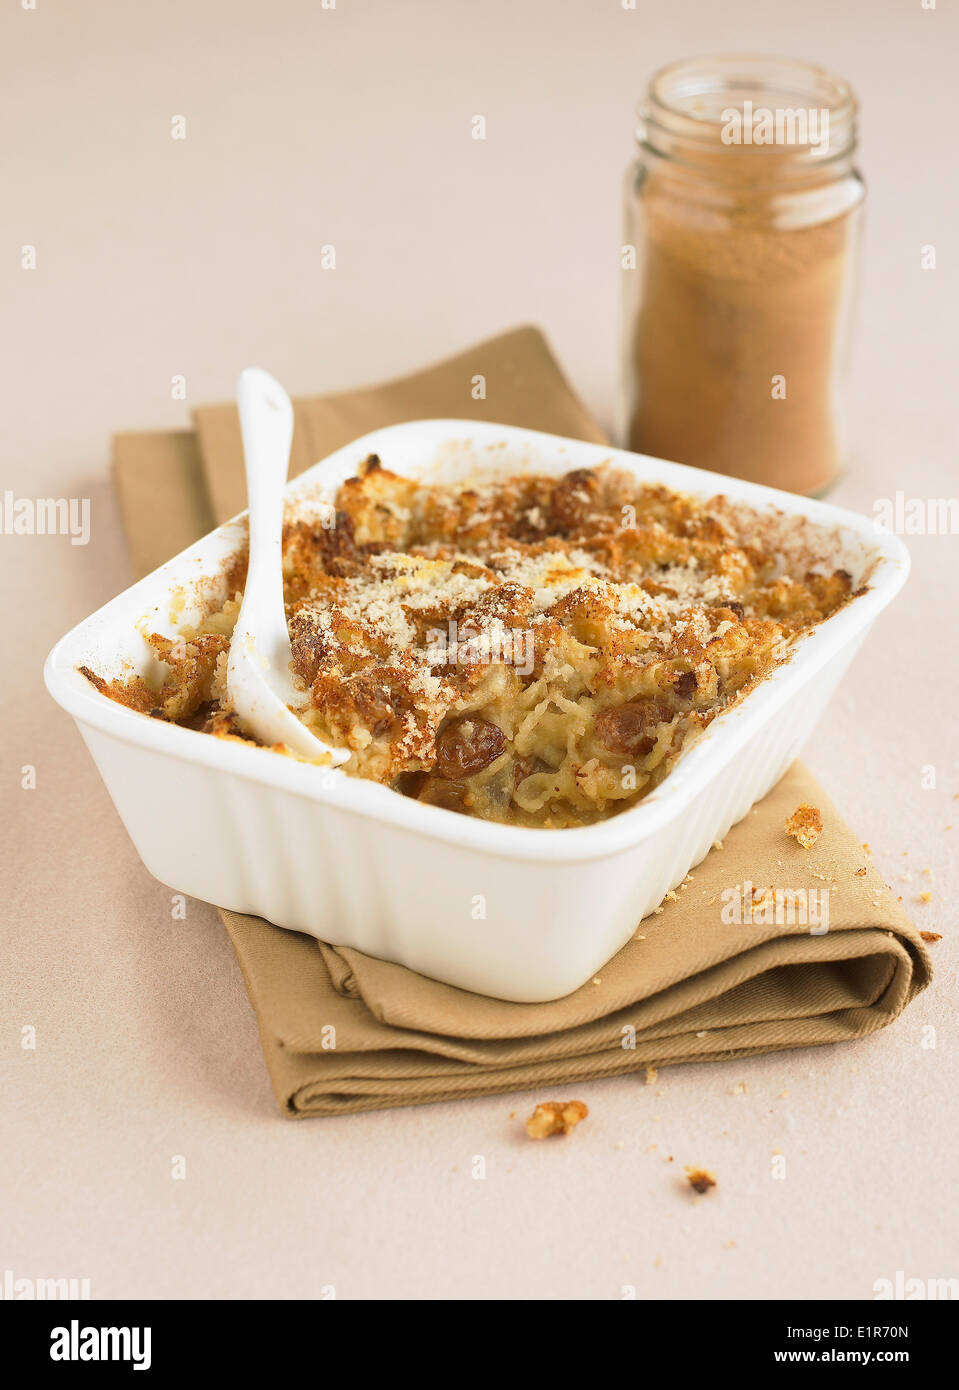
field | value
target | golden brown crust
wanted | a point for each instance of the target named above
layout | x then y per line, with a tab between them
191	661
530	649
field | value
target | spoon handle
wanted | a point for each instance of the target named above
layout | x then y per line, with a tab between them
266	420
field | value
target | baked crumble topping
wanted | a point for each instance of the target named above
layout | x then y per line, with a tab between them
555	1117
530	649
805	825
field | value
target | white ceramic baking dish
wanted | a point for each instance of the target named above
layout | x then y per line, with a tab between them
515	913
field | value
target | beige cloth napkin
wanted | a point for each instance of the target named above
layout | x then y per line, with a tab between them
687	987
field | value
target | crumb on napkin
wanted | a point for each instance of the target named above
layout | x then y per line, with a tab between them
805	825
555	1117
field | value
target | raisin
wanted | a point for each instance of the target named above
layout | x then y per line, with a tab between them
572	498
372	703
685	685
467	745
440	791
523	768
307	648
410	783
625	728
733	606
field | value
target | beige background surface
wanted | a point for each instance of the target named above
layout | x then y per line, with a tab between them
155	257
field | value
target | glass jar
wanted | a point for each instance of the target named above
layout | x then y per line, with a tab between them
742	221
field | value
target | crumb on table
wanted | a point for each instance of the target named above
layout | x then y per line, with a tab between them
701	1179
805	825
931	935
555	1117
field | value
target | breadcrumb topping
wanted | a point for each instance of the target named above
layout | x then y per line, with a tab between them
532	649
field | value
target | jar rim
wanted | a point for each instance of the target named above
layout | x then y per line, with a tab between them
752	104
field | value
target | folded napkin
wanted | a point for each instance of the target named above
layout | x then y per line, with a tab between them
705	977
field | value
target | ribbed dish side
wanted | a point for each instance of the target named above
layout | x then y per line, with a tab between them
316	868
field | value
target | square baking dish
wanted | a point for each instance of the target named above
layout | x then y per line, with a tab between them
521	914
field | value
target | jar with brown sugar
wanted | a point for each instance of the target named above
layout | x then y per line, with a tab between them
742	219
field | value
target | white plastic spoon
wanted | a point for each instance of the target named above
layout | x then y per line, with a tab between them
258	666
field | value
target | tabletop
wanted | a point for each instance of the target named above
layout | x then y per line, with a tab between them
177	171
